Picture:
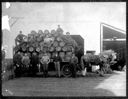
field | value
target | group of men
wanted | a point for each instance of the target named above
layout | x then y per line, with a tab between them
35	62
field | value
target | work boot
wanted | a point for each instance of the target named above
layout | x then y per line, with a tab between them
59	75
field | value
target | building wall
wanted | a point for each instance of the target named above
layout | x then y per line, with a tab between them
77	18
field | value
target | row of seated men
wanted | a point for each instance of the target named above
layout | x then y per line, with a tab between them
31	62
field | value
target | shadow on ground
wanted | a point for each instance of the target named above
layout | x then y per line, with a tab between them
52	86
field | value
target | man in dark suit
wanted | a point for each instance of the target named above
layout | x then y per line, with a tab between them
34	62
57	59
17	61
73	63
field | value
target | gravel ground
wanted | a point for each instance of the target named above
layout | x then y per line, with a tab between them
91	85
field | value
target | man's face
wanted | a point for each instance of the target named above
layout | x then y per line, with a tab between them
20	32
45	54
34	53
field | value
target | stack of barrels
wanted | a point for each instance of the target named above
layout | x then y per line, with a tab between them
48	42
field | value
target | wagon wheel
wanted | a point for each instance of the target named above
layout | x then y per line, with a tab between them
66	70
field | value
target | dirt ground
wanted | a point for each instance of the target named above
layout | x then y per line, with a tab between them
90	85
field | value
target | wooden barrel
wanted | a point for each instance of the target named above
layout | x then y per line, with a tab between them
38	49
31	49
67	58
42	35
34	44
62	44
41	43
55	34
30	39
68	53
39	39
23	46
45	49
64	48
33	32
70	48
51	49
46	32
55	44
47	44
61	54
53	31
58	48
69	44
40	32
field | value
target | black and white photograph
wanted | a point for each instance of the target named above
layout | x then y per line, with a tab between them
63	49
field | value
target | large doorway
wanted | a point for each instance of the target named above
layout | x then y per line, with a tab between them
114	39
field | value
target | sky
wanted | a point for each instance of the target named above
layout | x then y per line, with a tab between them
77	18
